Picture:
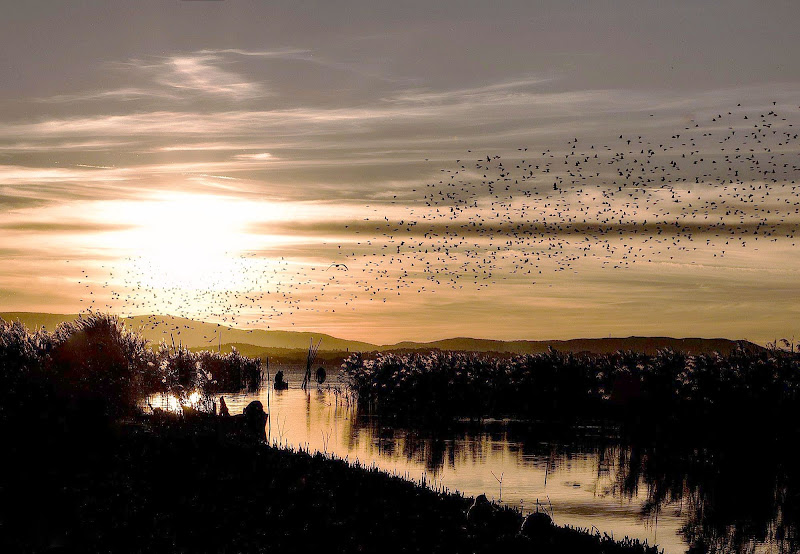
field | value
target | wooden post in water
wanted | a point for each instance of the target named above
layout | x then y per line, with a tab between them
269	411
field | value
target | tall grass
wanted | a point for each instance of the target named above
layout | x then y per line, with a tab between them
745	385
97	365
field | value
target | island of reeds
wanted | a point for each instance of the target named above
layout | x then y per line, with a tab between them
747	389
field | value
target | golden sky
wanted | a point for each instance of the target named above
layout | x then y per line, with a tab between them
503	171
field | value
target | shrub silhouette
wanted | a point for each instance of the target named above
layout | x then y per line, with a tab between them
96	367
97	360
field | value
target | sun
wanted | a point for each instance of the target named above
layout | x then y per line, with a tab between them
188	241
199	255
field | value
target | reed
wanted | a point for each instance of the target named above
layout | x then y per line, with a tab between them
746	387
96	364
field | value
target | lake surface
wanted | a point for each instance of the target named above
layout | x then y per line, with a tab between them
591	479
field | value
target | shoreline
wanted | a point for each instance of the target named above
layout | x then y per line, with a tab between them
203	485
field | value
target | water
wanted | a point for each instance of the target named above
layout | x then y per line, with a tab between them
590	479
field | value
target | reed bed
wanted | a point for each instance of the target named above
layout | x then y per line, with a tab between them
97	364
748	387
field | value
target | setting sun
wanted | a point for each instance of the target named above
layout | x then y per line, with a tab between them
187	241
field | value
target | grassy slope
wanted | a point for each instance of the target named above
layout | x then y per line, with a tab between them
198	486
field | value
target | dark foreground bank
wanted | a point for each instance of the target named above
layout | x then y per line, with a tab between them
203	486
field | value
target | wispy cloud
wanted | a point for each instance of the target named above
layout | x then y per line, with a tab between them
11	200
259	156
17	175
64	227
392	117
47	144
488	93
178	77
280	53
122	94
202	73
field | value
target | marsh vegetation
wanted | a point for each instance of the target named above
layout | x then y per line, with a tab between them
744	389
669	433
90	470
98	366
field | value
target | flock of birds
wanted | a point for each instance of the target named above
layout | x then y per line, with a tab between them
714	187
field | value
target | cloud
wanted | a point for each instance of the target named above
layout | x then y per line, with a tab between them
407	119
488	93
527	231
10	202
280	53
20	175
202	74
260	156
123	95
179	77
49	145
64	227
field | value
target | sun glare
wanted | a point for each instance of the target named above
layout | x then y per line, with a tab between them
198	255
188	241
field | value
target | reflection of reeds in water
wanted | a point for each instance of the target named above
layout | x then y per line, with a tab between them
729	497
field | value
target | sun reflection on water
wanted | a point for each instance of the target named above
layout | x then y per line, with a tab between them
171	402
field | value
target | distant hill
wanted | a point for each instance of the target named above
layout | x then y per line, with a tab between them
194	334
647	345
284	356
286	344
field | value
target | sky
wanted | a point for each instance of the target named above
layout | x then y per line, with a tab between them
390	171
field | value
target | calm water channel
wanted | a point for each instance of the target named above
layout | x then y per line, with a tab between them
592	481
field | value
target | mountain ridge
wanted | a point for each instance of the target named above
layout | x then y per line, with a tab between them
200	334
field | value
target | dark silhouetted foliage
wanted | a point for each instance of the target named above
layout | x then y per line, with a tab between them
745	387
95	367
172	485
